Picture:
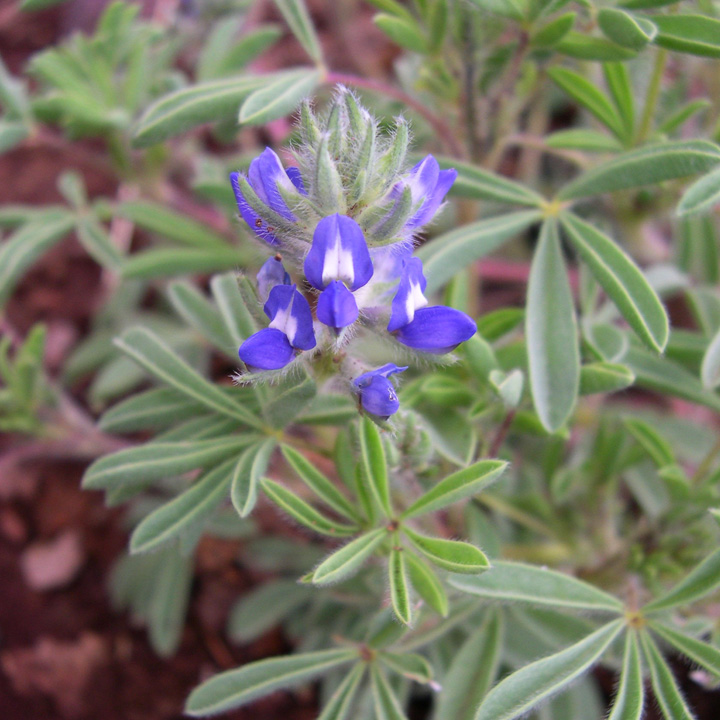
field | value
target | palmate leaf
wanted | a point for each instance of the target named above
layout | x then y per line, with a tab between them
453	555
387	705
526	688
235	688
460	485
646	166
374	464
187	509
551	331
630	697
427	585
670	699
702	195
298	18
347	560
185	109
250	467
155	356
340	704
694	34
704	654
472	671
399	586
413	667
621	279
518	582
444	256
702	580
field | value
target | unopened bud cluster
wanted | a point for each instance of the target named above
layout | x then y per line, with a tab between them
341	225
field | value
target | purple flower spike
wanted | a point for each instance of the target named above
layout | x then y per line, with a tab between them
290	329
272	273
254	221
427	181
336	306
437	329
409	296
338	252
377	394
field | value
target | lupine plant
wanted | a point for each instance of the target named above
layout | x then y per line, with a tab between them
487	497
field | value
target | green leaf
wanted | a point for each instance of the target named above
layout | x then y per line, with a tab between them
702	195
156	357
297	17
622	280
234	688
264	607
12	134
472	671
96	240
551	331
27	244
647	166
33	5
618	80
399	590
158	460
292	396
625	29
198	312
238	319
586	47
185	109
187	509
515	9
662	375
694	34
374	464
168	262
587	94
701	653
318	483
702	580
498	323
460	485
279	96
654	444
402	31
170	224
444	256
453	555
251	465
710	370
682	114
387	705
582	139
340	704
476	182
526	688
553	31
427	585
667	693
517	582
305	514
347	560
604	377
630	697
413	667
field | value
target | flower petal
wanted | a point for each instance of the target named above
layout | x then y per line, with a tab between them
254	221
289	312
265	173
385	371
268	349
437	329
336	306
434	199
409	296
272	273
379	397
296	178
338	252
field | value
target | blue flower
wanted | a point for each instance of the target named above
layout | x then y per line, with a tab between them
437	329
338	264
264	175
291	328
272	273
376	393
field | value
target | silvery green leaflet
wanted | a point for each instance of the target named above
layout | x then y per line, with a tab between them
493	448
